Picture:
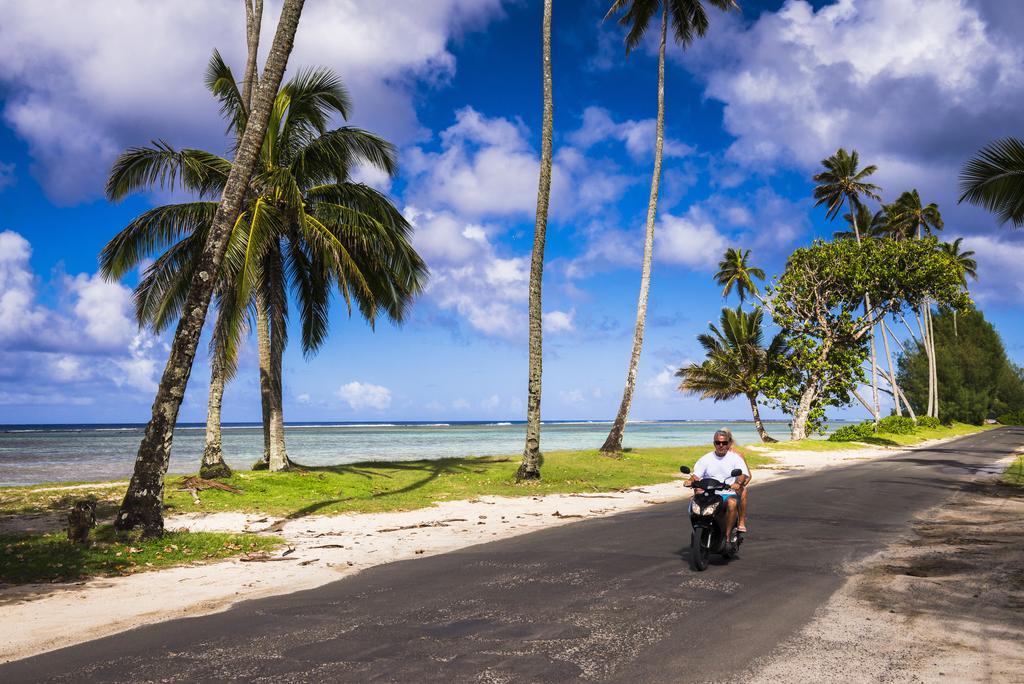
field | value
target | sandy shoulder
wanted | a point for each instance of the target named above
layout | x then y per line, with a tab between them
943	604
321	549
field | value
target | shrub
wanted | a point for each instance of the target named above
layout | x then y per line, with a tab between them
853	433
897	425
928	422
1012	418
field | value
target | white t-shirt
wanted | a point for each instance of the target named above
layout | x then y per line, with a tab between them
710	465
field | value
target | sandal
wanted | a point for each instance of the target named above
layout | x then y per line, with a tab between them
741	528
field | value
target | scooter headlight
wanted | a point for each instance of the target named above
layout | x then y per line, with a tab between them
710	508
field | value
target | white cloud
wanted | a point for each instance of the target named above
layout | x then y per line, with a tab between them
460	404
18	314
90	342
637	136
558	321
914	97
77	98
469	276
103	308
691	240
663	385
360	395
1000	267
492	402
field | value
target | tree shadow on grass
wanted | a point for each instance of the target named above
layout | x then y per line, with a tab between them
431	471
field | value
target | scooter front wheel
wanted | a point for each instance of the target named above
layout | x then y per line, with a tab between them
698	549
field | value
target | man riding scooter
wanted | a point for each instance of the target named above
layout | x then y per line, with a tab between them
719	464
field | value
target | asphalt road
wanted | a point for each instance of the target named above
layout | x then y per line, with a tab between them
610	599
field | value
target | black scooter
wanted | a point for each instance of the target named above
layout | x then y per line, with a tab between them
707	515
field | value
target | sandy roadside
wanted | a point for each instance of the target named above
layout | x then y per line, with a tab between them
942	604
321	549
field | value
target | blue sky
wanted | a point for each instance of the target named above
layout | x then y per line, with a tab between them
916	86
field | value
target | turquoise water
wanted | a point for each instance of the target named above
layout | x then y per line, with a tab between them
31	454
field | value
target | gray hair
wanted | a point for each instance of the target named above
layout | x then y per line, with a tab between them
725	432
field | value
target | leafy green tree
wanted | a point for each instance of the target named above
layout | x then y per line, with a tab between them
815	302
978	379
143	500
303	225
529	468
736	363
735	270
689	20
994	179
843	181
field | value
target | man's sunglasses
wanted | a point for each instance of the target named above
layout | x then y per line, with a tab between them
717	443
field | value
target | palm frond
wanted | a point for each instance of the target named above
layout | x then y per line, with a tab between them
151	232
161	166
994	179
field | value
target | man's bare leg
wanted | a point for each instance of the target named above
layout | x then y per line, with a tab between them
730	516
743	509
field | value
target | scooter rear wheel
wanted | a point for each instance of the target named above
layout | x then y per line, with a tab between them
698	550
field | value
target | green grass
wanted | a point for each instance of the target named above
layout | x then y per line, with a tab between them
881	439
1014	475
52	558
391	486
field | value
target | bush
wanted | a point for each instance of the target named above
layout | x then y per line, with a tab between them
897	425
853	433
1012	418
928	422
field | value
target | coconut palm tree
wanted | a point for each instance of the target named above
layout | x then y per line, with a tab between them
529	469
965	262
689	20
736	361
733	269
843	181
143	501
304	225
911	218
870	225
994	179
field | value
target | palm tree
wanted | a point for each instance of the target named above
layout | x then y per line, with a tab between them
912	218
871	226
841	182
303	224
689	20
736	361
965	262
734	270
143	501
529	469
994	179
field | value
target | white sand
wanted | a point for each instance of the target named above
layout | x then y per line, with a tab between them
321	549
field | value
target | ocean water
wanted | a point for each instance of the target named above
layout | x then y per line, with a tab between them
31	454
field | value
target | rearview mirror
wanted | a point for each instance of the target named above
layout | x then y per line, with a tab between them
684	469
736	472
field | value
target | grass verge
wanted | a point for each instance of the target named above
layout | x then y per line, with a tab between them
1014	475
52	558
389	486
881	439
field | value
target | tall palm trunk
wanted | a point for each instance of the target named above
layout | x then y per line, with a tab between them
278	459
529	469
266	386
613	444
933	378
758	425
143	502
213	465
